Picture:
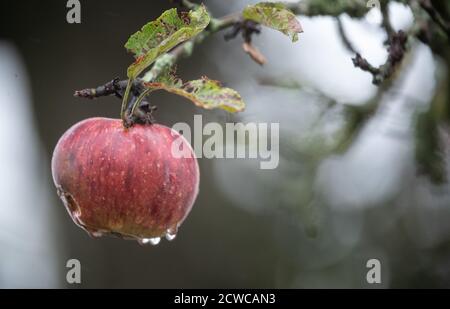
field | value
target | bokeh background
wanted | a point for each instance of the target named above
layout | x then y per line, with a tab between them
339	197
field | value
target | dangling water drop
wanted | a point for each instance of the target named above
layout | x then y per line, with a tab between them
152	241
170	236
155	241
96	234
144	241
171	233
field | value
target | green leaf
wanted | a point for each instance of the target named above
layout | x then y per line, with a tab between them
204	92
276	16
160	36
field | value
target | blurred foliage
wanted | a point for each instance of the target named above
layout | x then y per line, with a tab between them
430	144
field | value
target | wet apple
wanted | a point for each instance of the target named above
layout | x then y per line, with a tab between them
125	181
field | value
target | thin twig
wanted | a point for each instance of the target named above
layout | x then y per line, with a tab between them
364	65
353	8
344	37
115	87
386	21
254	53
396	52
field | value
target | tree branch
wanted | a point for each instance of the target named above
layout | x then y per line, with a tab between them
385	21
344	37
114	87
396	50
354	8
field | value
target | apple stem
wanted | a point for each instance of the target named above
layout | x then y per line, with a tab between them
123	109
139	110
139	100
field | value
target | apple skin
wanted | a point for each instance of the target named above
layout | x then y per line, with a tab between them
125	182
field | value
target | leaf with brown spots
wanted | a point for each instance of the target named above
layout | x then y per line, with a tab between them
204	92
276	16
163	34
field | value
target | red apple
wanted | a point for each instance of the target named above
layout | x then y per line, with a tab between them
125	182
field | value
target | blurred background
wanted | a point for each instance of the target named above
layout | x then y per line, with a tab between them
362	175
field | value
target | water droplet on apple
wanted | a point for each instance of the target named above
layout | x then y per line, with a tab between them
143	241
155	241
152	241
170	236
171	233
95	234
